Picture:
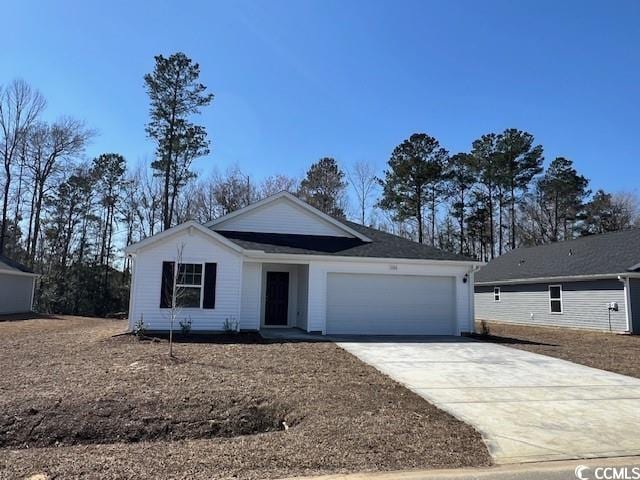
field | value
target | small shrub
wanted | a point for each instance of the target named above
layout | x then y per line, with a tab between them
185	326
230	325
140	328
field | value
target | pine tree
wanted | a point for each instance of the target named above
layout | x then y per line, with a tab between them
461	178
487	163
520	161
562	193
324	187
175	94
414	181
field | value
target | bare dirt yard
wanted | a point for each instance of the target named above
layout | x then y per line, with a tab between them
607	351
79	401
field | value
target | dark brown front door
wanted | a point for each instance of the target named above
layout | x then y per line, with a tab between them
277	301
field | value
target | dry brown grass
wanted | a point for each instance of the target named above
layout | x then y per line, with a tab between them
607	351
91	405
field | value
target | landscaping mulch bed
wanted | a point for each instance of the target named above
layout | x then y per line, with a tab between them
77	400
607	351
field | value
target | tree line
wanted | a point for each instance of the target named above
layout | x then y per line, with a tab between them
495	197
69	217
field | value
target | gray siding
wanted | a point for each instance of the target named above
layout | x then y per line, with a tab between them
15	293
634	299
584	305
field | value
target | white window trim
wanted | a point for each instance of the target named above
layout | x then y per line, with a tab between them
182	285
497	291
555	299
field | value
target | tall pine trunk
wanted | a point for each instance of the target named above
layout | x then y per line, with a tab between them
500	222
461	221
513	217
31	214
5	206
433	218
492	241
36	223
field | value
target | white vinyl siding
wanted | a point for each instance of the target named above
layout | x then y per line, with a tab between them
584	305
281	216
198	248
251	294
15	293
390	305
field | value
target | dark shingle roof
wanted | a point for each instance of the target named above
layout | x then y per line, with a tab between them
606	254
383	245
7	264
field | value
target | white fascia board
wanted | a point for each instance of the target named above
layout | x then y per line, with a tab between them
259	255
158	237
575	278
19	273
299	203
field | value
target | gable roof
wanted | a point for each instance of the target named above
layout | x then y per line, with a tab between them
365	242
8	265
134	247
295	200
608	254
380	245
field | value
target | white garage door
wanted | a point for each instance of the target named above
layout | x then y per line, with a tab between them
390	304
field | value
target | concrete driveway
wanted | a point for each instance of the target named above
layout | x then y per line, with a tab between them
528	407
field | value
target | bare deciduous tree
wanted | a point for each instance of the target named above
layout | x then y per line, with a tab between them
233	190
277	183
50	145
362	177
20	106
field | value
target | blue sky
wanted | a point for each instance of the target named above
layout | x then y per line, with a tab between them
298	80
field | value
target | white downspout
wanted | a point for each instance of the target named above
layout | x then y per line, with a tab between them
130	320
33	291
472	297
627	301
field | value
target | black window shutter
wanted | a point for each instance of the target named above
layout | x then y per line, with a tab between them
210	272
166	288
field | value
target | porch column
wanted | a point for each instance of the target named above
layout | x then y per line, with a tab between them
317	299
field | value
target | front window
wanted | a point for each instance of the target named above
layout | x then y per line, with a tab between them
496	294
555	298
189	285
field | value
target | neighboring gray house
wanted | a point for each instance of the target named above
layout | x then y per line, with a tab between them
592	282
17	286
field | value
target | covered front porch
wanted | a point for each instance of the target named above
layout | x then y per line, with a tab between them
275	296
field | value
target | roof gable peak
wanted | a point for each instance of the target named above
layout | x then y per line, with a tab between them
227	222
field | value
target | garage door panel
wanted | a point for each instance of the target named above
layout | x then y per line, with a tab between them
390	304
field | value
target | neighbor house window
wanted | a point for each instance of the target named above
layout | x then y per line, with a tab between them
496	294
555	298
189	285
